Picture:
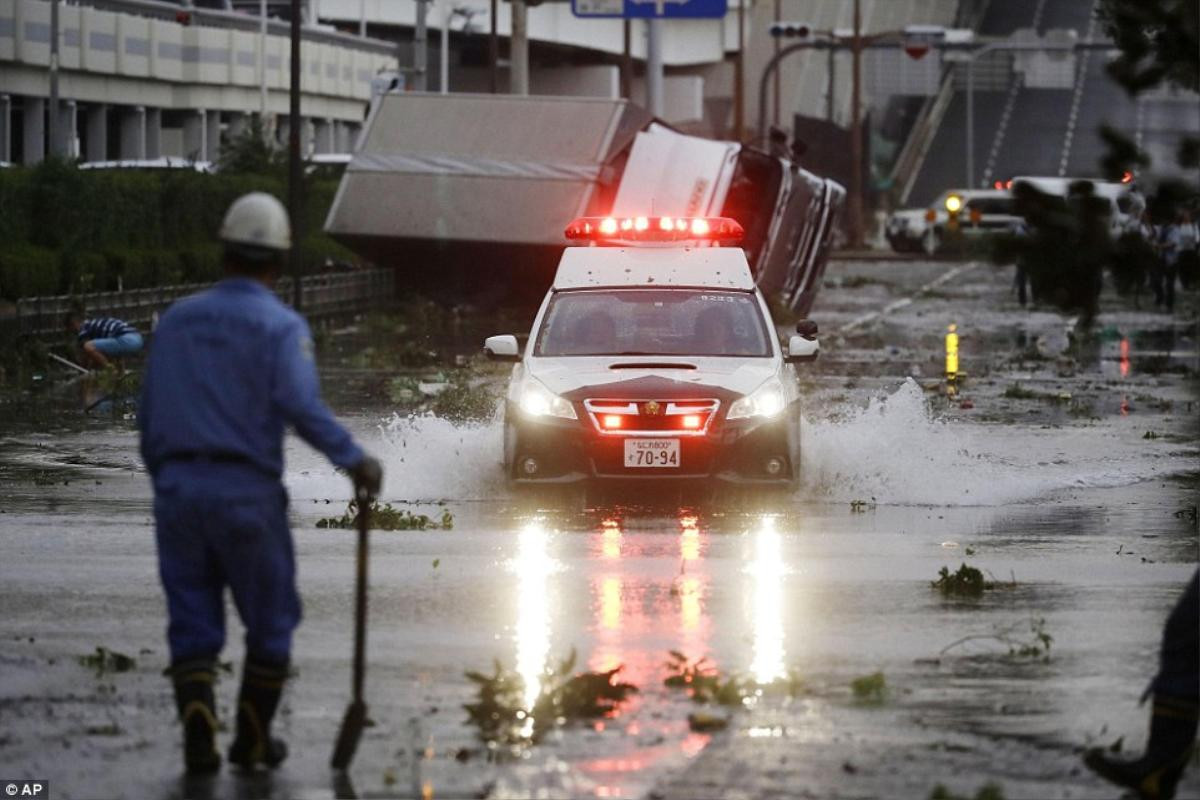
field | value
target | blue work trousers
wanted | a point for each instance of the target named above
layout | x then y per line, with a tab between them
1179	659
218	526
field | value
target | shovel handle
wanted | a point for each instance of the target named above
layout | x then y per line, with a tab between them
363	521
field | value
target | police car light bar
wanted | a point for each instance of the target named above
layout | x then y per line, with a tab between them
655	229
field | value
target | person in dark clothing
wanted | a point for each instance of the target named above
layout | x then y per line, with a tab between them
231	367
1173	721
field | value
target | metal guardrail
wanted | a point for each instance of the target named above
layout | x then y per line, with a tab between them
215	18
322	295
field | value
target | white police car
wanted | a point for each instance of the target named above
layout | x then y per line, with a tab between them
653	358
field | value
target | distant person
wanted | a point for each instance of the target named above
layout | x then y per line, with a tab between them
714	332
230	368
103	339
1173	722
1020	230
595	333
1172	242
1188	244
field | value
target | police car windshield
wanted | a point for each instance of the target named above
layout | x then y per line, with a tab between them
671	322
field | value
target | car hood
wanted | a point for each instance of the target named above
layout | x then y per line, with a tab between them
737	376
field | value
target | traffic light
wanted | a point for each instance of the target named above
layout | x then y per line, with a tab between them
790	30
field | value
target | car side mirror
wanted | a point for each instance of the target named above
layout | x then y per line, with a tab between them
802	348
806	327
502	348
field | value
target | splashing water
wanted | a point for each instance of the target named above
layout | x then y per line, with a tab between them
896	452
424	458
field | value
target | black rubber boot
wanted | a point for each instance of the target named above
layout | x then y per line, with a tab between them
1155	775
262	685
193	682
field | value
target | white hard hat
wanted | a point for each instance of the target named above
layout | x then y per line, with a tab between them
257	220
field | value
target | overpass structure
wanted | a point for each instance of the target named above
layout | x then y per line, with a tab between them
1044	119
141	79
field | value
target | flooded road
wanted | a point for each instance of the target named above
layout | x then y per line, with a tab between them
1067	471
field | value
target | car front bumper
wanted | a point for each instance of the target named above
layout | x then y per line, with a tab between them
572	451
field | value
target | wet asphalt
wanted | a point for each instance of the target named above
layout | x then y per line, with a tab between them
1063	468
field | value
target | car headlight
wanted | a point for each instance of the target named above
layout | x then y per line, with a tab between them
538	401
766	401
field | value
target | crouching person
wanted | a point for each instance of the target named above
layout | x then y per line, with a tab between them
231	367
103	339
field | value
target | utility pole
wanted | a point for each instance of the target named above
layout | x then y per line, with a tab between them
970	184
518	75
362	18
421	46
832	90
856	149
444	55
295	173
739	76
776	89
494	50
627	59
654	66
56	148
262	64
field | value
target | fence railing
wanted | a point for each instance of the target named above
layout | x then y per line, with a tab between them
321	295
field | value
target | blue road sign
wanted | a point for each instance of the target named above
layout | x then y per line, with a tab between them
668	9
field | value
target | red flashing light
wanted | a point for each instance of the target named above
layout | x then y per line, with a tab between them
1008	184
1127	177
612	421
692	422
655	229
998	185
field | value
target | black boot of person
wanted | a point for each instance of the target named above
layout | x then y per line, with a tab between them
1154	775
262	684
193	682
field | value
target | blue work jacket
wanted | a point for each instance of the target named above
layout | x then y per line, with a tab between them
229	369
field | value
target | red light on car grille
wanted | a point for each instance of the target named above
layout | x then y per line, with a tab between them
612	421
615	230
692	422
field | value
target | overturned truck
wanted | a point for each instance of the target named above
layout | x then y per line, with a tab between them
468	195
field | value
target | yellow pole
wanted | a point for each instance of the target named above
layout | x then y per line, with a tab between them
951	352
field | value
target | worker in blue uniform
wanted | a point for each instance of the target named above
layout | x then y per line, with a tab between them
1175	714
229	369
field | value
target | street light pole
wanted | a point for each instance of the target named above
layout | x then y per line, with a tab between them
856	153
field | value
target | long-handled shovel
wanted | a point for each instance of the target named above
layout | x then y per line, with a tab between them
356	714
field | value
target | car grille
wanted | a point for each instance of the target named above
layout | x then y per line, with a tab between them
626	417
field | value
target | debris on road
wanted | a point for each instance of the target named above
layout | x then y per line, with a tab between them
388	518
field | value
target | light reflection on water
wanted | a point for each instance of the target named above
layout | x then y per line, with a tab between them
533	566
766	604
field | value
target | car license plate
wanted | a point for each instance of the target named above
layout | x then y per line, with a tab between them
652	453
